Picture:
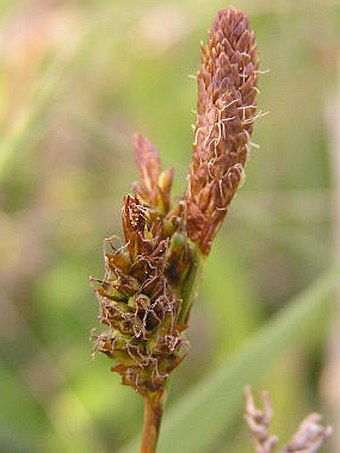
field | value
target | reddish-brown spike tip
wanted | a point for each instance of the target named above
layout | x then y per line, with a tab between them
226	112
148	162
155	186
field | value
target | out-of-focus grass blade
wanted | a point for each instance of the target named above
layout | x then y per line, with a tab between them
228	299
32	120
209	408
294	239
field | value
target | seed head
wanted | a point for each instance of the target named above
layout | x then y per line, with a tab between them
140	294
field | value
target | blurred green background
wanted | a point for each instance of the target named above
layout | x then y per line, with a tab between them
77	79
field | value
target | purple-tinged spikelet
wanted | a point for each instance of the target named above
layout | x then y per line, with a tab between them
309	438
226	111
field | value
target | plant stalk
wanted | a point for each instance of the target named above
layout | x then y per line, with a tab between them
191	286
153	411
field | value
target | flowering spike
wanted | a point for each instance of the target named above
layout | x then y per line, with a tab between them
309	438
226	111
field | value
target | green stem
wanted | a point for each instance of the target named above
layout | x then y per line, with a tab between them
153	411
192	283
154	402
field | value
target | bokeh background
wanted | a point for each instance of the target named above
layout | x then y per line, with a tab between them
77	79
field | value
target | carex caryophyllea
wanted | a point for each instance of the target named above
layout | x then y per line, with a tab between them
151	281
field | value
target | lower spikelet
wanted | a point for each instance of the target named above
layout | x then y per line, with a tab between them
139	298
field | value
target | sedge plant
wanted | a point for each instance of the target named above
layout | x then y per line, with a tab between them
151	281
